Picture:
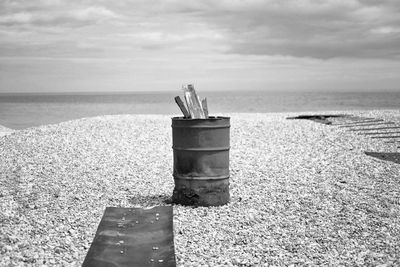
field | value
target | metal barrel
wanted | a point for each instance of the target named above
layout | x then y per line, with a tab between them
201	161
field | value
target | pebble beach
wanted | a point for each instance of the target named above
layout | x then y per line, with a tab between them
302	193
5	131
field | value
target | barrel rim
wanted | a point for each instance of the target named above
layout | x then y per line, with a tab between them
210	118
202	149
201	178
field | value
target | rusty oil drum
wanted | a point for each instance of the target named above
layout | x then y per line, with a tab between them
201	161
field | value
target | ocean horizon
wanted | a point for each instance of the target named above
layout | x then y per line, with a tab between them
24	110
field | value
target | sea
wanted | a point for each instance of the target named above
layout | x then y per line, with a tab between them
24	110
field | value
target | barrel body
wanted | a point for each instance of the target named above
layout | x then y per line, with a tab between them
201	161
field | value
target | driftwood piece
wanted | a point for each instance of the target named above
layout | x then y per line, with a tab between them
316	118
205	107
182	107
374	129
379	133
389	156
193	103
358	118
358	122
385	136
369	124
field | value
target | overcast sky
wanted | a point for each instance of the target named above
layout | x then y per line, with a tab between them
149	45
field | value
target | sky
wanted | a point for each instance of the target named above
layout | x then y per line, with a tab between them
159	45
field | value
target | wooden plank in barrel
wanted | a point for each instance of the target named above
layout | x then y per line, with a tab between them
182	107
205	107
193	103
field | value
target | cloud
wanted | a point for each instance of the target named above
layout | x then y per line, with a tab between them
17	18
60	49
385	30
52	15
317	29
93	13
321	29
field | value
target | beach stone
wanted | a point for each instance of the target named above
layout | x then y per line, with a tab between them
298	194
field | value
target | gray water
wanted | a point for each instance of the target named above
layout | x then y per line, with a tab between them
19	111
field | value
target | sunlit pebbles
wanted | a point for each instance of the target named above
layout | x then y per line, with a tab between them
302	193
